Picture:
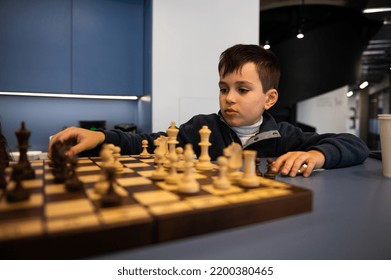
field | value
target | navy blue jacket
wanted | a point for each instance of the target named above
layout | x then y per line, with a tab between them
273	140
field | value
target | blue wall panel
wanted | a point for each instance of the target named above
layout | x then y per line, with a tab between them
35	50
108	47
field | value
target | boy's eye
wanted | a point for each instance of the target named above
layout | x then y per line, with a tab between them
223	90
243	90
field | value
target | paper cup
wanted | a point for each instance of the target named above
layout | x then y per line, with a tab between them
385	142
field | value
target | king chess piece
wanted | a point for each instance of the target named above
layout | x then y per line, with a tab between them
204	162
23	136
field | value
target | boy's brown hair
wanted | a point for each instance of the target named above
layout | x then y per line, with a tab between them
266	62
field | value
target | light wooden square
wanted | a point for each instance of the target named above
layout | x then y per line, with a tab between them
155	197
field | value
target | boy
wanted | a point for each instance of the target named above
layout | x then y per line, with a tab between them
249	77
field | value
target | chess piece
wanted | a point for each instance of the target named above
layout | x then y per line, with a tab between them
222	182
172	177
59	162
188	183
172	133
180	167
234	154
23	136
249	179
269	173
159	173
160	147
204	162
3	181
107	161
111	198
73	183
258	167
17	193
145	154
116	155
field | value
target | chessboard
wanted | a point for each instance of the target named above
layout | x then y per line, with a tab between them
56	223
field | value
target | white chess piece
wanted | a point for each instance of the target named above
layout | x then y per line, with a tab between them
172	133
249	179
234	154
188	182
145	154
204	162
222	181
159	173
116	154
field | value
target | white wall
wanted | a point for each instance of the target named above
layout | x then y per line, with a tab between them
188	37
328	112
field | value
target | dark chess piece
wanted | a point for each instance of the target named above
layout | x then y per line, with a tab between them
23	136
111	198
18	193
269	173
4	156
59	163
258	167
73	183
3	181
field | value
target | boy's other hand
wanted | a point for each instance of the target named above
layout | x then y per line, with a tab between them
290	164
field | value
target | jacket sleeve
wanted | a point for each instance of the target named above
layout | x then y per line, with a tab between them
339	149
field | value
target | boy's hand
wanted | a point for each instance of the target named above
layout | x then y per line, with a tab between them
290	163
85	139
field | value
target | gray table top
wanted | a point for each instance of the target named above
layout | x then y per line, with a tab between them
351	219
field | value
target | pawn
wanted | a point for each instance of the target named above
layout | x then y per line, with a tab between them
145	153
269	173
181	160
111	198
18	193
222	182
188	183
116	155
258	167
73	183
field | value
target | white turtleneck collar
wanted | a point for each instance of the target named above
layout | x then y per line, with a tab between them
246	132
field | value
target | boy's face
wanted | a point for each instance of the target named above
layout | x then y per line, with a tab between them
242	99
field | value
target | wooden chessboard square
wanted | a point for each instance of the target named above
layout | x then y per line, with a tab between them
206	201
149	161
32	183
241	197
35	200
129	213
90	178
21	228
55	189
65	208
170	208
155	197
87	168
167	187
270	192
145	173
36	163
84	161
137	165
272	183
215	191
133	181
38	172
69	223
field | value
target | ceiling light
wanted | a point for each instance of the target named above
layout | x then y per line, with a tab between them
300	34
376	10
267	45
349	93
364	85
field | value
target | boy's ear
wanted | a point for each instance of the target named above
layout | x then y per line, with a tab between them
271	98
